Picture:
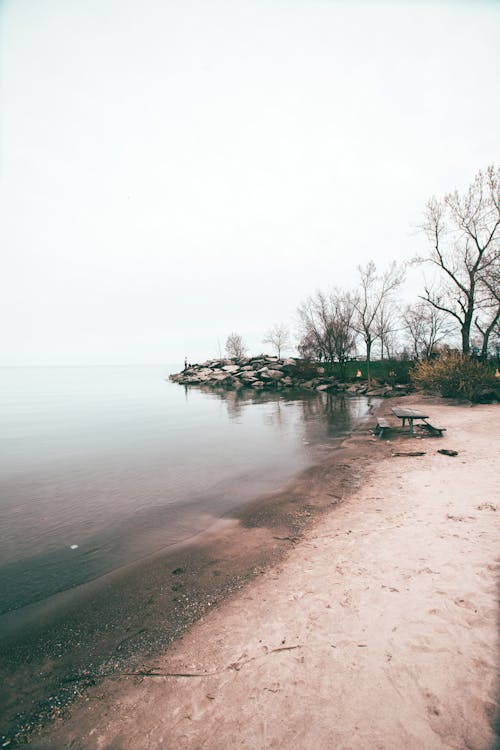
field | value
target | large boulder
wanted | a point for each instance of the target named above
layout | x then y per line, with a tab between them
221	377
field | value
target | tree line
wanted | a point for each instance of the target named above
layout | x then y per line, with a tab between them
462	299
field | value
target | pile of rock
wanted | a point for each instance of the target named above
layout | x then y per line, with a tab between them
270	372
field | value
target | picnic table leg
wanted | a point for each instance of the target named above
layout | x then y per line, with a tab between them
410	420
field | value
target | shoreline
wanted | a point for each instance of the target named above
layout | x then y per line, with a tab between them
147	605
378	629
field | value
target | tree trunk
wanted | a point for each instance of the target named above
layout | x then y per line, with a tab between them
486	336
368	354
466	335
484	348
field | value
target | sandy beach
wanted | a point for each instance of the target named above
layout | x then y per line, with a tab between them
377	630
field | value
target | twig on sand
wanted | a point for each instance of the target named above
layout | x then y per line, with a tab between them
409	453
235	665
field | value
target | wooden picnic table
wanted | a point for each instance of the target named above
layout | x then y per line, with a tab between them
408	414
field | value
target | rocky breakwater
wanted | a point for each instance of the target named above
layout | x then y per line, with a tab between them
272	373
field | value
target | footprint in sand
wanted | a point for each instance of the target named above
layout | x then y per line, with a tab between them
423	645
346	600
463	519
465	604
486	506
432	703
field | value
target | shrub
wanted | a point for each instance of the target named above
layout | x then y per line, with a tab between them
387	370
456	376
305	369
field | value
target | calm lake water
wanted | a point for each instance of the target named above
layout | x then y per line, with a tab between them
101	466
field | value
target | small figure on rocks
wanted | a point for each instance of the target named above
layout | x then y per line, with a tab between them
185	363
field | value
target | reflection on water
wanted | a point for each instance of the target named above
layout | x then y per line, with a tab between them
103	466
324	414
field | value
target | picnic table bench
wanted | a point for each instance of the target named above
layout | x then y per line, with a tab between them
433	428
382	426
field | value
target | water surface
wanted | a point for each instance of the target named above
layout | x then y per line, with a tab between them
102	466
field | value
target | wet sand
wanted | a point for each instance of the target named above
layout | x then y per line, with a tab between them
378	629
115	623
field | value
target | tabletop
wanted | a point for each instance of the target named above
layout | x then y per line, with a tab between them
408	413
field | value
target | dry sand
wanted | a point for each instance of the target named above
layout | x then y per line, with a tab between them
379	630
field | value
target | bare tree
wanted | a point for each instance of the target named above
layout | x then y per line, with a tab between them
307	346
464	232
425	328
278	337
375	292
314	323
235	348
344	335
326	324
386	325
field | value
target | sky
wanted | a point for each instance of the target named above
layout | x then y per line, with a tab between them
171	172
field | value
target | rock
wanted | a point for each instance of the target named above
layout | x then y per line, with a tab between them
448	452
221	377
271	372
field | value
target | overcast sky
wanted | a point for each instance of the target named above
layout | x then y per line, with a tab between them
174	171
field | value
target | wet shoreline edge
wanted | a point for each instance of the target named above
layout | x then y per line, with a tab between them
148	605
